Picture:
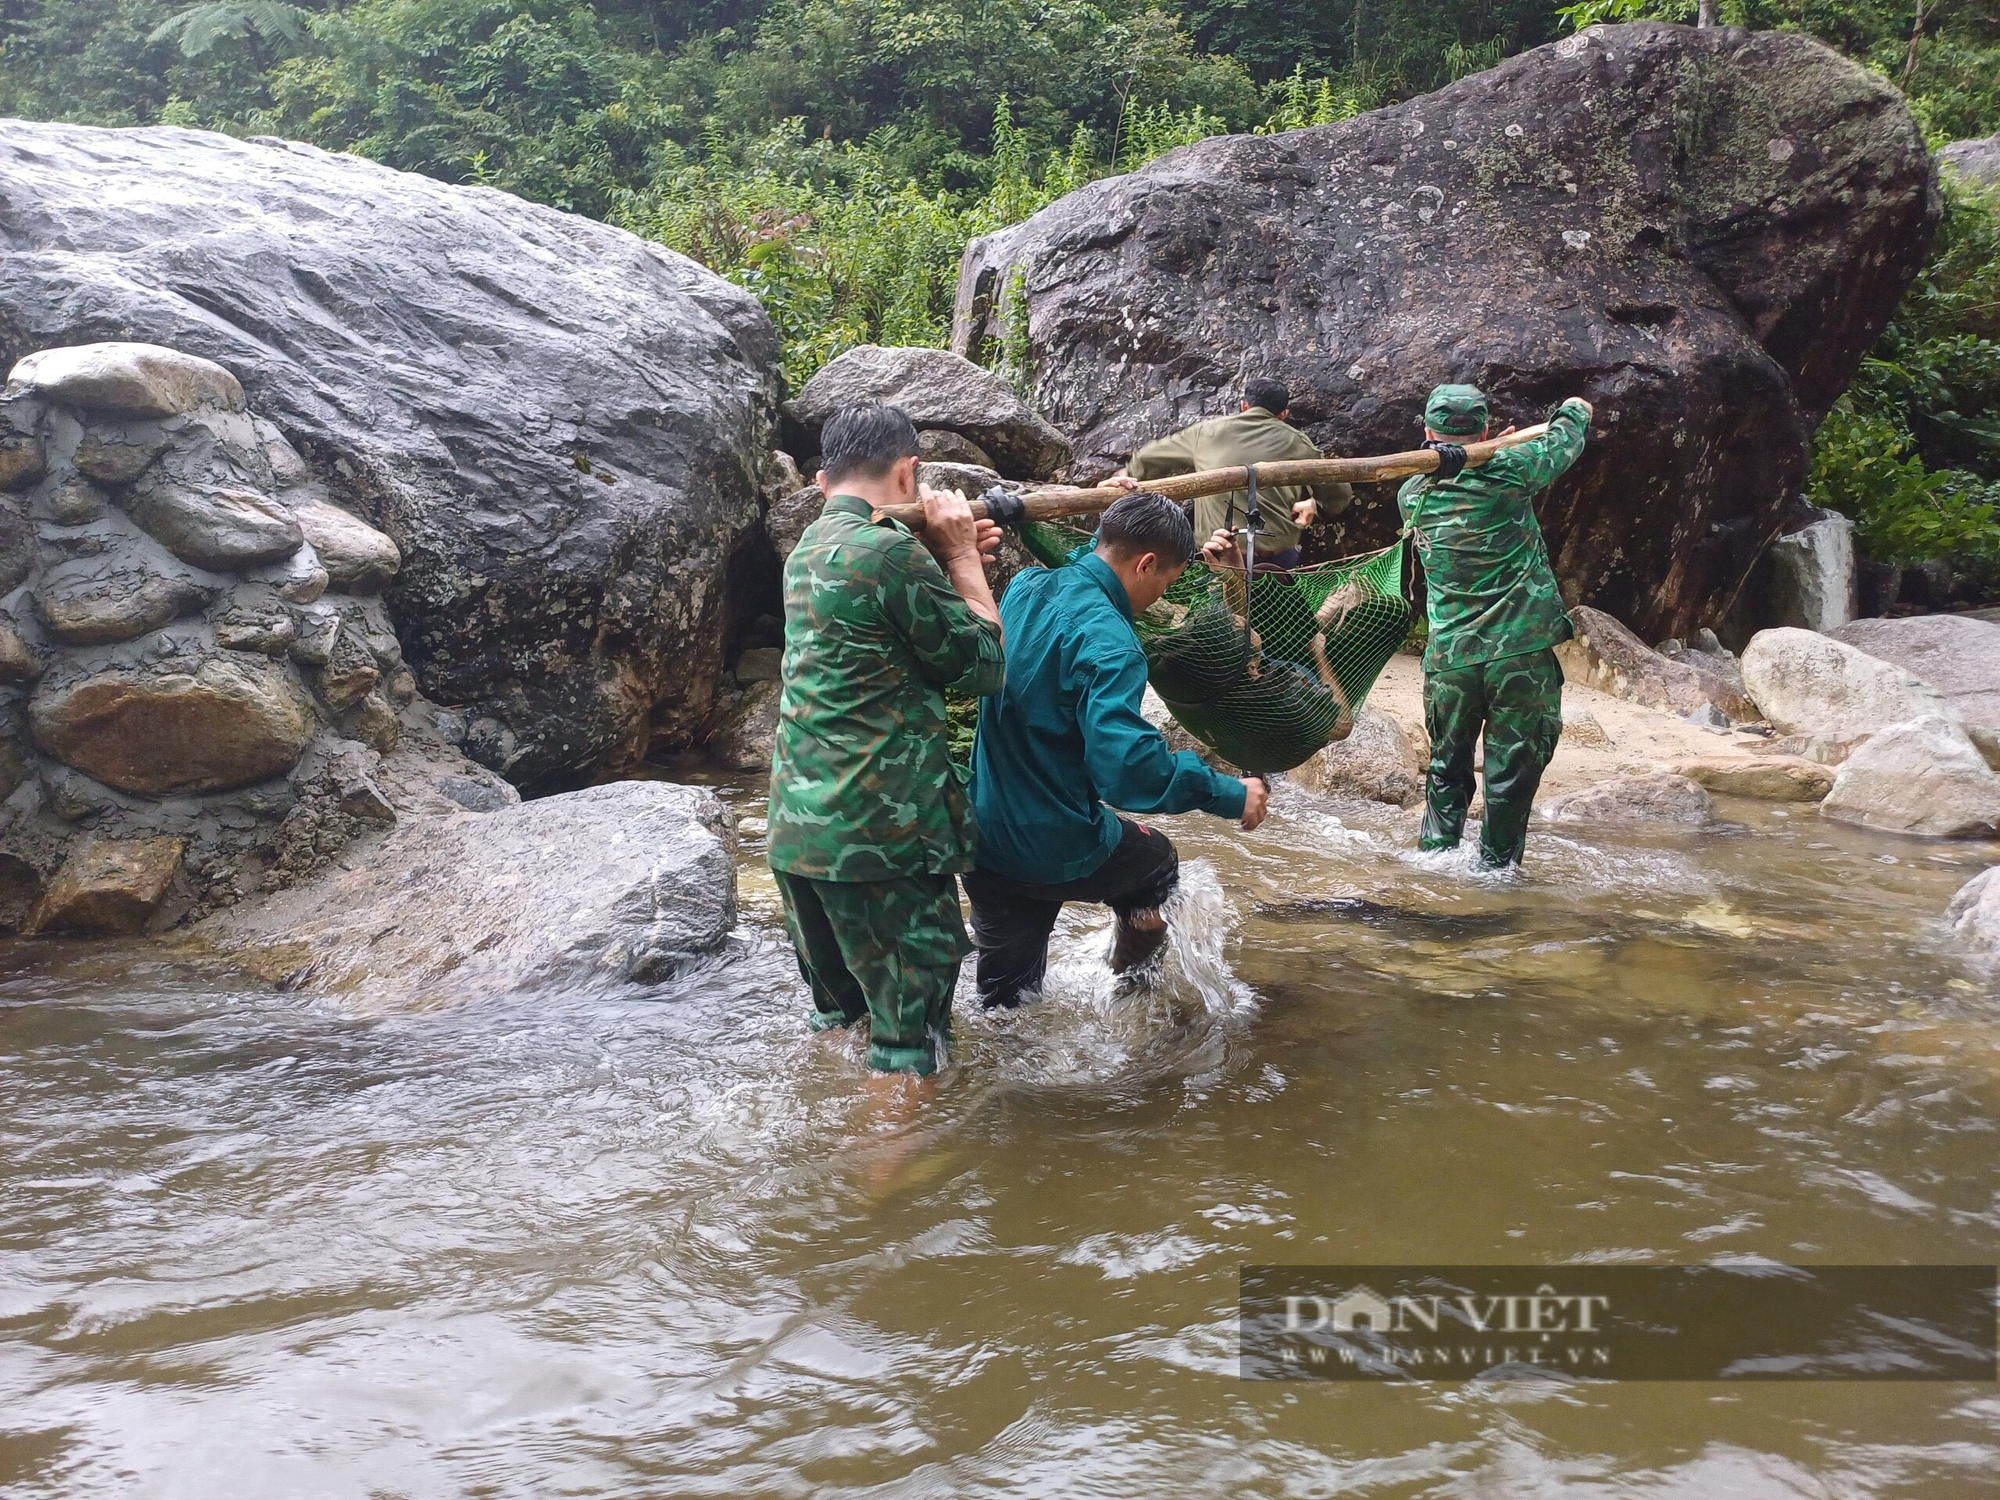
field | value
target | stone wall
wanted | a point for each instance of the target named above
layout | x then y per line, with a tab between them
201	693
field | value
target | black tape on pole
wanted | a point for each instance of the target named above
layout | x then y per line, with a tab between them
1451	459
1004	507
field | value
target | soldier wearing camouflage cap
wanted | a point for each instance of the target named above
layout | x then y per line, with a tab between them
1495	618
869	818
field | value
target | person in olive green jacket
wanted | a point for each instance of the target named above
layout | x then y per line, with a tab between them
869	818
1495	619
1256	434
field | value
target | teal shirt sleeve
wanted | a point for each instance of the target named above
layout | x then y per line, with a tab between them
954	647
1128	758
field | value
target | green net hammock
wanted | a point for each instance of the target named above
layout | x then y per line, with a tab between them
1268	697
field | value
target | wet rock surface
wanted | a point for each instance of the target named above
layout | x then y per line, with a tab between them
188	724
790	516
1700	230
559	428
218	529
358	559
1809	575
1774	778
102	600
747	733
1955	654
1924	778
936	445
1379	761
127	380
1974	913
939	390
145	697
1606	656
1813	685
619	883
1661	797
108	885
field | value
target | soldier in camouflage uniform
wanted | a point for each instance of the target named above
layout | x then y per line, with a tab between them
869	818
1495	617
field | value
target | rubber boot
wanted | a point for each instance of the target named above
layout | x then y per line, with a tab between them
1139	937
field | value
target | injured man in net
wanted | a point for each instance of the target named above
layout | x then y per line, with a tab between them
1274	600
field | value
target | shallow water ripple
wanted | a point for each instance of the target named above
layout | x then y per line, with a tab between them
657	1243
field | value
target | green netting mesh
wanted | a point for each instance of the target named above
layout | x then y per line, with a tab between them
1265	698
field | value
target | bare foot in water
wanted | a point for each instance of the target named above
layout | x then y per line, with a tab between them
891	1104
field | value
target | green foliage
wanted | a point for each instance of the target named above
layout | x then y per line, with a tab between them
200	27
961	725
1016	363
1903	512
1912	451
841	251
834	156
1462	61
1301	102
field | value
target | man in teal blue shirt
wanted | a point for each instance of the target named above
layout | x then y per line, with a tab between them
1064	741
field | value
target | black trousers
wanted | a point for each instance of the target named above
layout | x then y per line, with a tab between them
1012	919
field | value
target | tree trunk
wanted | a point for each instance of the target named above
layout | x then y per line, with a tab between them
1916	35
1705	13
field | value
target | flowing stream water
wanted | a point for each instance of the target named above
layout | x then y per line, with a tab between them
664	1243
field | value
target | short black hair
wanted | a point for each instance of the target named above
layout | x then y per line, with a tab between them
1144	522
1269	394
865	440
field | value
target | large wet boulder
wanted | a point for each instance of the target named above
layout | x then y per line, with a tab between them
939	390
1977	161
1974	914
1957	655
1925	778
560	427
1606	656
1811	684
1702	231
614	883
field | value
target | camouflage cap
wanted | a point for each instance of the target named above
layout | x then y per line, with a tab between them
1456	410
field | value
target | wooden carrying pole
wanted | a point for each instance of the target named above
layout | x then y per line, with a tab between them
1054	502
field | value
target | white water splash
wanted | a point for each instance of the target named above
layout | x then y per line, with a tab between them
1090	1024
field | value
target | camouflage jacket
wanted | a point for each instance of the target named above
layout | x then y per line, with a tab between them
1491	590
862	784
1249	437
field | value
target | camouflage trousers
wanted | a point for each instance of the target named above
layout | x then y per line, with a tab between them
1517	701
885	949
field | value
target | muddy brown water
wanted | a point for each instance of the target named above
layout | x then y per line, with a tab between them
657	1244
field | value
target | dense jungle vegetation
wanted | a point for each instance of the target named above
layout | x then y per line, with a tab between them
835	155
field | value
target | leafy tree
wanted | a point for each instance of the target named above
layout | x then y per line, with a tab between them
198	28
836	155
1912	451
